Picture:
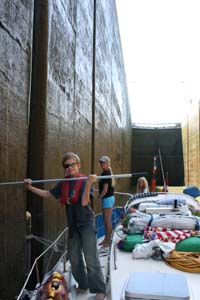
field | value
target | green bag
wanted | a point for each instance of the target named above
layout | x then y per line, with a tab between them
131	240
191	244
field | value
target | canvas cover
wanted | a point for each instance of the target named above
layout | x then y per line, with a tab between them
156	286
192	191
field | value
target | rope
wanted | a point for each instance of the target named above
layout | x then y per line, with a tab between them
184	261
36	260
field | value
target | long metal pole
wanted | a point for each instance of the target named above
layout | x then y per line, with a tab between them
163	176
72	179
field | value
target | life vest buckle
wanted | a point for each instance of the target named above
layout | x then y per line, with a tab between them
69	201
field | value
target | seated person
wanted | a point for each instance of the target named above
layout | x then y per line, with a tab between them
142	185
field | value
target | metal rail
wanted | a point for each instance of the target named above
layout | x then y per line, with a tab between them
162	170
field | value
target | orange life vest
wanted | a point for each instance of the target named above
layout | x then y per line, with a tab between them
71	196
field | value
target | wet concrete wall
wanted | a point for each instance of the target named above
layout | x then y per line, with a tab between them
68	108
15	65
191	144
147	141
58	103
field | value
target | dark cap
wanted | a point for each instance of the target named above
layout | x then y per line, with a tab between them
104	159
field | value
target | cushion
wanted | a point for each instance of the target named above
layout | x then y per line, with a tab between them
130	241
191	244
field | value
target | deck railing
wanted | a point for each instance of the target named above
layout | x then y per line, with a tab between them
50	249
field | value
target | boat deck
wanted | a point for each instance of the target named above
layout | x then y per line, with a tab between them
125	264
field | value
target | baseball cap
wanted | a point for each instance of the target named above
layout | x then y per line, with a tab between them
104	158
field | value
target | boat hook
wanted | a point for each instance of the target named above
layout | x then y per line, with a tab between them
73	179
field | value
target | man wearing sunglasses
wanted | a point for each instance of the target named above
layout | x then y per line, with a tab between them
76	195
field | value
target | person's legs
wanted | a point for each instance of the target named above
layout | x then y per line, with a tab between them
107	213
76	260
94	272
107	205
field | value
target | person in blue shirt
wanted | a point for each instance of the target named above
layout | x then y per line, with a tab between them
75	196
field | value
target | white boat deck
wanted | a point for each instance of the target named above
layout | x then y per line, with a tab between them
120	264
125	264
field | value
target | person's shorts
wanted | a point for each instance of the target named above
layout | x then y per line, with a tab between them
108	202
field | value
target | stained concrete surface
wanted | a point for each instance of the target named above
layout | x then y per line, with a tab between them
46	54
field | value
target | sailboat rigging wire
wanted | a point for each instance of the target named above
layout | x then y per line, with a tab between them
73	179
45	241
62	257
36	260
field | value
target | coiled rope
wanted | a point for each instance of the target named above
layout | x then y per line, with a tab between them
184	261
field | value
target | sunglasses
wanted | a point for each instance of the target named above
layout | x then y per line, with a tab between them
66	166
102	162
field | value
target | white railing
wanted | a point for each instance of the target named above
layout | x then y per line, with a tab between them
35	264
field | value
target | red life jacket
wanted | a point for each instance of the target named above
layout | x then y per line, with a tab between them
65	189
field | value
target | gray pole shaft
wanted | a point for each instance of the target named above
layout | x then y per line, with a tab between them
163	176
72	179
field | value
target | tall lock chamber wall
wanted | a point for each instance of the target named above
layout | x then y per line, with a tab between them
69	104
16	24
50	94
148	142
191	144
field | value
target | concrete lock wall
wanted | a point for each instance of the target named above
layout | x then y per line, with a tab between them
147	141
191	144
16	23
51	103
